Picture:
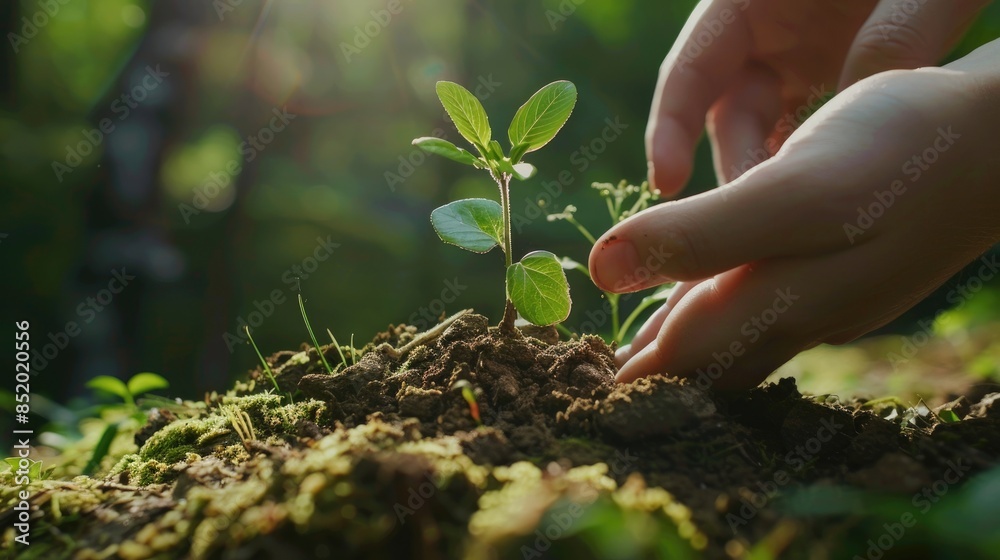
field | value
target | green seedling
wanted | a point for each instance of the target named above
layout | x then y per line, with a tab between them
139	383
343	359
536	285
312	336
470	397
622	200
263	362
34	472
948	416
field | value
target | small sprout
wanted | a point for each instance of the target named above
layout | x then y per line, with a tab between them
536	286
470	397
34	470
948	416
343	360
138	384
620	206
305	318
267	368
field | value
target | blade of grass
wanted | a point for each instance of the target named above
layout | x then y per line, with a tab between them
267	368
312	336
101	449
343	360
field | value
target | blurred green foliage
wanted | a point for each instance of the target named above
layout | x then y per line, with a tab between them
342	168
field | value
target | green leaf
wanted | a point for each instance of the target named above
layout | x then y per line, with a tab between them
474	224
569	264
541	117
504	165
101	450
467	113
661	294
34	467
517	152
524	171
496	152
537	286
146	382
440	147
948	416
111	385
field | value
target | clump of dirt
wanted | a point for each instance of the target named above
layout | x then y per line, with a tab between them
387	457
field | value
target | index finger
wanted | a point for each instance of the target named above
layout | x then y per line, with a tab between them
707	57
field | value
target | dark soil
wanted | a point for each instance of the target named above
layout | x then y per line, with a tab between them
384	459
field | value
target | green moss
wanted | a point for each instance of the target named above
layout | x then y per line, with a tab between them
179	438
142	472
270	417
213	432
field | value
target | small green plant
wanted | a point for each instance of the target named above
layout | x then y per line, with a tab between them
343	359
35	470
263	362
623	200
312	336
470	397
536	285
139	384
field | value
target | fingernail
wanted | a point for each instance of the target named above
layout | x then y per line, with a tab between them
617	265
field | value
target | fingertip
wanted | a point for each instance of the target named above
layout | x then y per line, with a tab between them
646	362
613	263
669	153
622	355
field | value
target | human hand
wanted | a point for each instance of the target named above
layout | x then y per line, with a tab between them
874	202
749	67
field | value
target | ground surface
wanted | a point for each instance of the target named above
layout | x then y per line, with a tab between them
384	459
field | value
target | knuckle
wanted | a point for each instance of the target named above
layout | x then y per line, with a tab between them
893	45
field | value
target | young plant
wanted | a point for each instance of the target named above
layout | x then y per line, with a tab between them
536	285
343	359
621	205
263	362
139	383
312	336
470	397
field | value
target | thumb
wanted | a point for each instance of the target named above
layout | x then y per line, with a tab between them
757	216
907	34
